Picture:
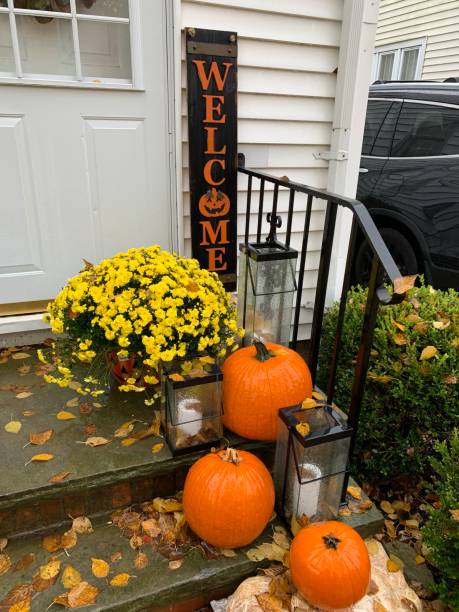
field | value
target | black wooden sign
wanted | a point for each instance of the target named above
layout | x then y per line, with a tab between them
212	140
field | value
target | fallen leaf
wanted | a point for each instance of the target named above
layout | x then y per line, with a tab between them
116	556
59	477
366	505
151	527
23	395
420	559
392	566
412	524
120	580
450	379
378	607
50	570
267	550
96	441
74	384
396	560
455	514
318	395
372	546
303	429
3	543
21	355
135	542
69	539
167	505
398	504
73	403
24	562
18	594
125	429
282	540
391	532
21	606
85	408
355	492
156	448
24	369
373	588
176	564
28	413
70	577
408	605
344	511
81	524
42	457
151	430
13	427
428	352
442	324
400	339
141	561
40	437
309	403
269	603
51	543
5	563
100	568
387	507
402	284
82	594
63	415
228	552
176	377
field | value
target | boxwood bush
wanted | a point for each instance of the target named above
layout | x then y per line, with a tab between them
411	397
441	534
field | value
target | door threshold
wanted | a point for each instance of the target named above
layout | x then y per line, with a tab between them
17	330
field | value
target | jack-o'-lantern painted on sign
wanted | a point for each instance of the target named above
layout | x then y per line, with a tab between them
214	203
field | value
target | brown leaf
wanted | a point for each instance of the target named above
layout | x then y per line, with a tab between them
135	542
70	577
16	595
96	441
303	429
392	566
63	415
82	594
28	413
21	356
455	514
116	556
24	562
5	563
428	352
167	505
373	588
282	540
176	564
82	524
59	477
387	507
151	527
355	492
228	552
23	395
378	607
408	604
51	543
450	379
125	429
50	570
412	524
85	408
100	568
3	543
42	584
400	339
90	429
366	505
269	603
402	284
24	369
141	561
120	580
344	511
40	437
69	539
391	532
73	403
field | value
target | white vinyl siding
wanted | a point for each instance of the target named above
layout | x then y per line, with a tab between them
287	58
401	21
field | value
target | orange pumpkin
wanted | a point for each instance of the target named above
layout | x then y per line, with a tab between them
228	498
329	565
259	380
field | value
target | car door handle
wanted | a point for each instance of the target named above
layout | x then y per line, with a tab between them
363	170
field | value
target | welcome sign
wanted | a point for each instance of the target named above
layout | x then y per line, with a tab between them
212	140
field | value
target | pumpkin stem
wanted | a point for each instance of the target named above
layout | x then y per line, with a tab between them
331	541
231	456
262	354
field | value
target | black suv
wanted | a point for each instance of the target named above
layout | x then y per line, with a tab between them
409	178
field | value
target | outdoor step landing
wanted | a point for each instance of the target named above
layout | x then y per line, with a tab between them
101	478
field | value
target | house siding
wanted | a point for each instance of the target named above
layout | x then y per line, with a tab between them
437	20
287	58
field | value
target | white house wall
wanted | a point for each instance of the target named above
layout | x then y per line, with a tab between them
287	58
405	20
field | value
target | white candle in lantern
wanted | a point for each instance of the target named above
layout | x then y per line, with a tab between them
189	416
305	497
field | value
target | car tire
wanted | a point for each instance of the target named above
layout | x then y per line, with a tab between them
399	247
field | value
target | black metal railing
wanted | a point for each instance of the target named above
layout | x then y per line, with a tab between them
383	267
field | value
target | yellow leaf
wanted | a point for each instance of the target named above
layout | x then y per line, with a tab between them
413	318
387	507
365	505
318	395
309	403
420	560
372	546
398	325
428	352
23	395
128	441
396	560
40	437
50	570
303	429
120	580
167	505
455	514
157	447
412	524
355	492
69	539
70	577
344	511
73	403
125	429
13	427
21	606
20	355
392	566
100	568
52	543
176	564
207	359
269	603
5	563
228	552
63	415
141	561
151	527
82	594
42	457
176	377
400	339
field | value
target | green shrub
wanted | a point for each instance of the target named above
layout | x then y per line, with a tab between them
441	534
410	401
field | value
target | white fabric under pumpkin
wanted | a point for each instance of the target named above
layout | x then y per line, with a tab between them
392	593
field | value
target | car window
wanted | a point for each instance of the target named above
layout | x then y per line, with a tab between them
383	142
424	130
376	113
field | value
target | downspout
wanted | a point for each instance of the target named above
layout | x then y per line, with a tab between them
354	72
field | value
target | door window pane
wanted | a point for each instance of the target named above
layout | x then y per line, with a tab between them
105	49
6	48
46	48
424	130
409	64
376	112
111	8
386	65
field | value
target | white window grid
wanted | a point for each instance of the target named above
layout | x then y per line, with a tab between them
79	80
397	50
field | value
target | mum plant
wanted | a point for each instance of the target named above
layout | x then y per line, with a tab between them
147	306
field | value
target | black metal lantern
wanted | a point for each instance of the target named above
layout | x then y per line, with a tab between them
191	405
267	284
311	461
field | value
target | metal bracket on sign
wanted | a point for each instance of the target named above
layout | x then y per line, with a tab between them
330	155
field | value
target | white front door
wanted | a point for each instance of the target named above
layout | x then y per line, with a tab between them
84	137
